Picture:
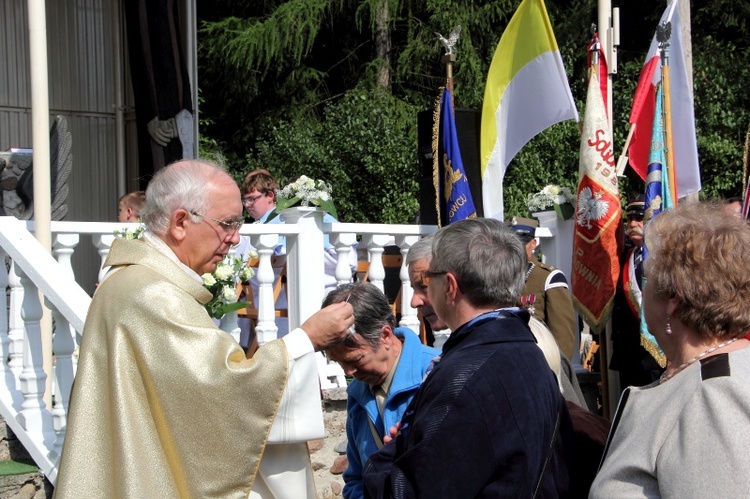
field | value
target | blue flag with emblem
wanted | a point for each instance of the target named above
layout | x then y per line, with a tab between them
658	197
452	185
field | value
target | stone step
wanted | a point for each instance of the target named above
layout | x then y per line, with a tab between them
25	486
16	480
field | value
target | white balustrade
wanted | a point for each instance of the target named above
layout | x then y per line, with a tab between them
103	243
33	416
33	270
375	244
15	322
63	247
63	346
343	243
408	314
5	373
266	328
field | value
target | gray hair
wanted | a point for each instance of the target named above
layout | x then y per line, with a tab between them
371	311
487	258
421	249
180	185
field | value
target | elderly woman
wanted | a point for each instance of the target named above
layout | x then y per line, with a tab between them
688	434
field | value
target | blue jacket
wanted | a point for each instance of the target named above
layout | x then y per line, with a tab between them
361	406
483	424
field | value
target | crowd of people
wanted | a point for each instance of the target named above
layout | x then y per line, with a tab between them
165	403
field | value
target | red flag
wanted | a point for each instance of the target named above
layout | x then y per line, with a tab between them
683	117
596	265
596	46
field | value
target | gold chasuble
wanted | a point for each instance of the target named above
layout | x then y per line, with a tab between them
164	403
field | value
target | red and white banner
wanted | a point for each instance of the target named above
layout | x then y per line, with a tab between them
596	264
683	117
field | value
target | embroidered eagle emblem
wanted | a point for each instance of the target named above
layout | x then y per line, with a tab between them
451	177
590	207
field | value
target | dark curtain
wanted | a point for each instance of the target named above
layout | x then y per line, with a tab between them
159	75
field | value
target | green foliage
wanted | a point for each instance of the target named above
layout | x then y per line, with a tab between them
289	85
722	115
364	147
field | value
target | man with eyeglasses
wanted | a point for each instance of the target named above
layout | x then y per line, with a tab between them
489	419
636	366
165	403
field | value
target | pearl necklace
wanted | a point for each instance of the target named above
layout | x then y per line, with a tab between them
665	377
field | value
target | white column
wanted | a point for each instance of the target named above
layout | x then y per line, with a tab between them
5	372
408	315
265	329
39	79
15	322
103	243
375	244
64	346
343	244
305	263
63	247
33	416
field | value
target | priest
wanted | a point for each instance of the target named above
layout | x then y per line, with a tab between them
166	404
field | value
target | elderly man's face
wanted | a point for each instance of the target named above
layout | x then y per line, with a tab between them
365	363
207	241
634	229
420	300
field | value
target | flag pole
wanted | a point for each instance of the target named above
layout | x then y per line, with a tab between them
663	34
449	59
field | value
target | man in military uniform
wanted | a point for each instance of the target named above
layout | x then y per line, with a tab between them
636	366
546	293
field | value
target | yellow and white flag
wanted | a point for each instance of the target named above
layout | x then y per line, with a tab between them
527	91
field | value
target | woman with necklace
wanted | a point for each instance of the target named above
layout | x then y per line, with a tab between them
688	434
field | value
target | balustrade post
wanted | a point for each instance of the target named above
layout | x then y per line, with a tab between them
63	246
15	321
5	372
266	329
63	346
33	416
343	243
305	263
375	244
408	314
103	243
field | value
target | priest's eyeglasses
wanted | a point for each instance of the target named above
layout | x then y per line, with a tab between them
230	226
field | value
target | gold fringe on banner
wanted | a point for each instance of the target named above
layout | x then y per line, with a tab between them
435	152
654	351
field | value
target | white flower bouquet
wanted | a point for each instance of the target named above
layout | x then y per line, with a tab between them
131	234
222	282
305	192
552	197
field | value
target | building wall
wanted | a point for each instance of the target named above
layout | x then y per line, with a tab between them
82	50
80	45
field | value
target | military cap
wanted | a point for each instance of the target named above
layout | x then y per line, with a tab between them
636	207
525	228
